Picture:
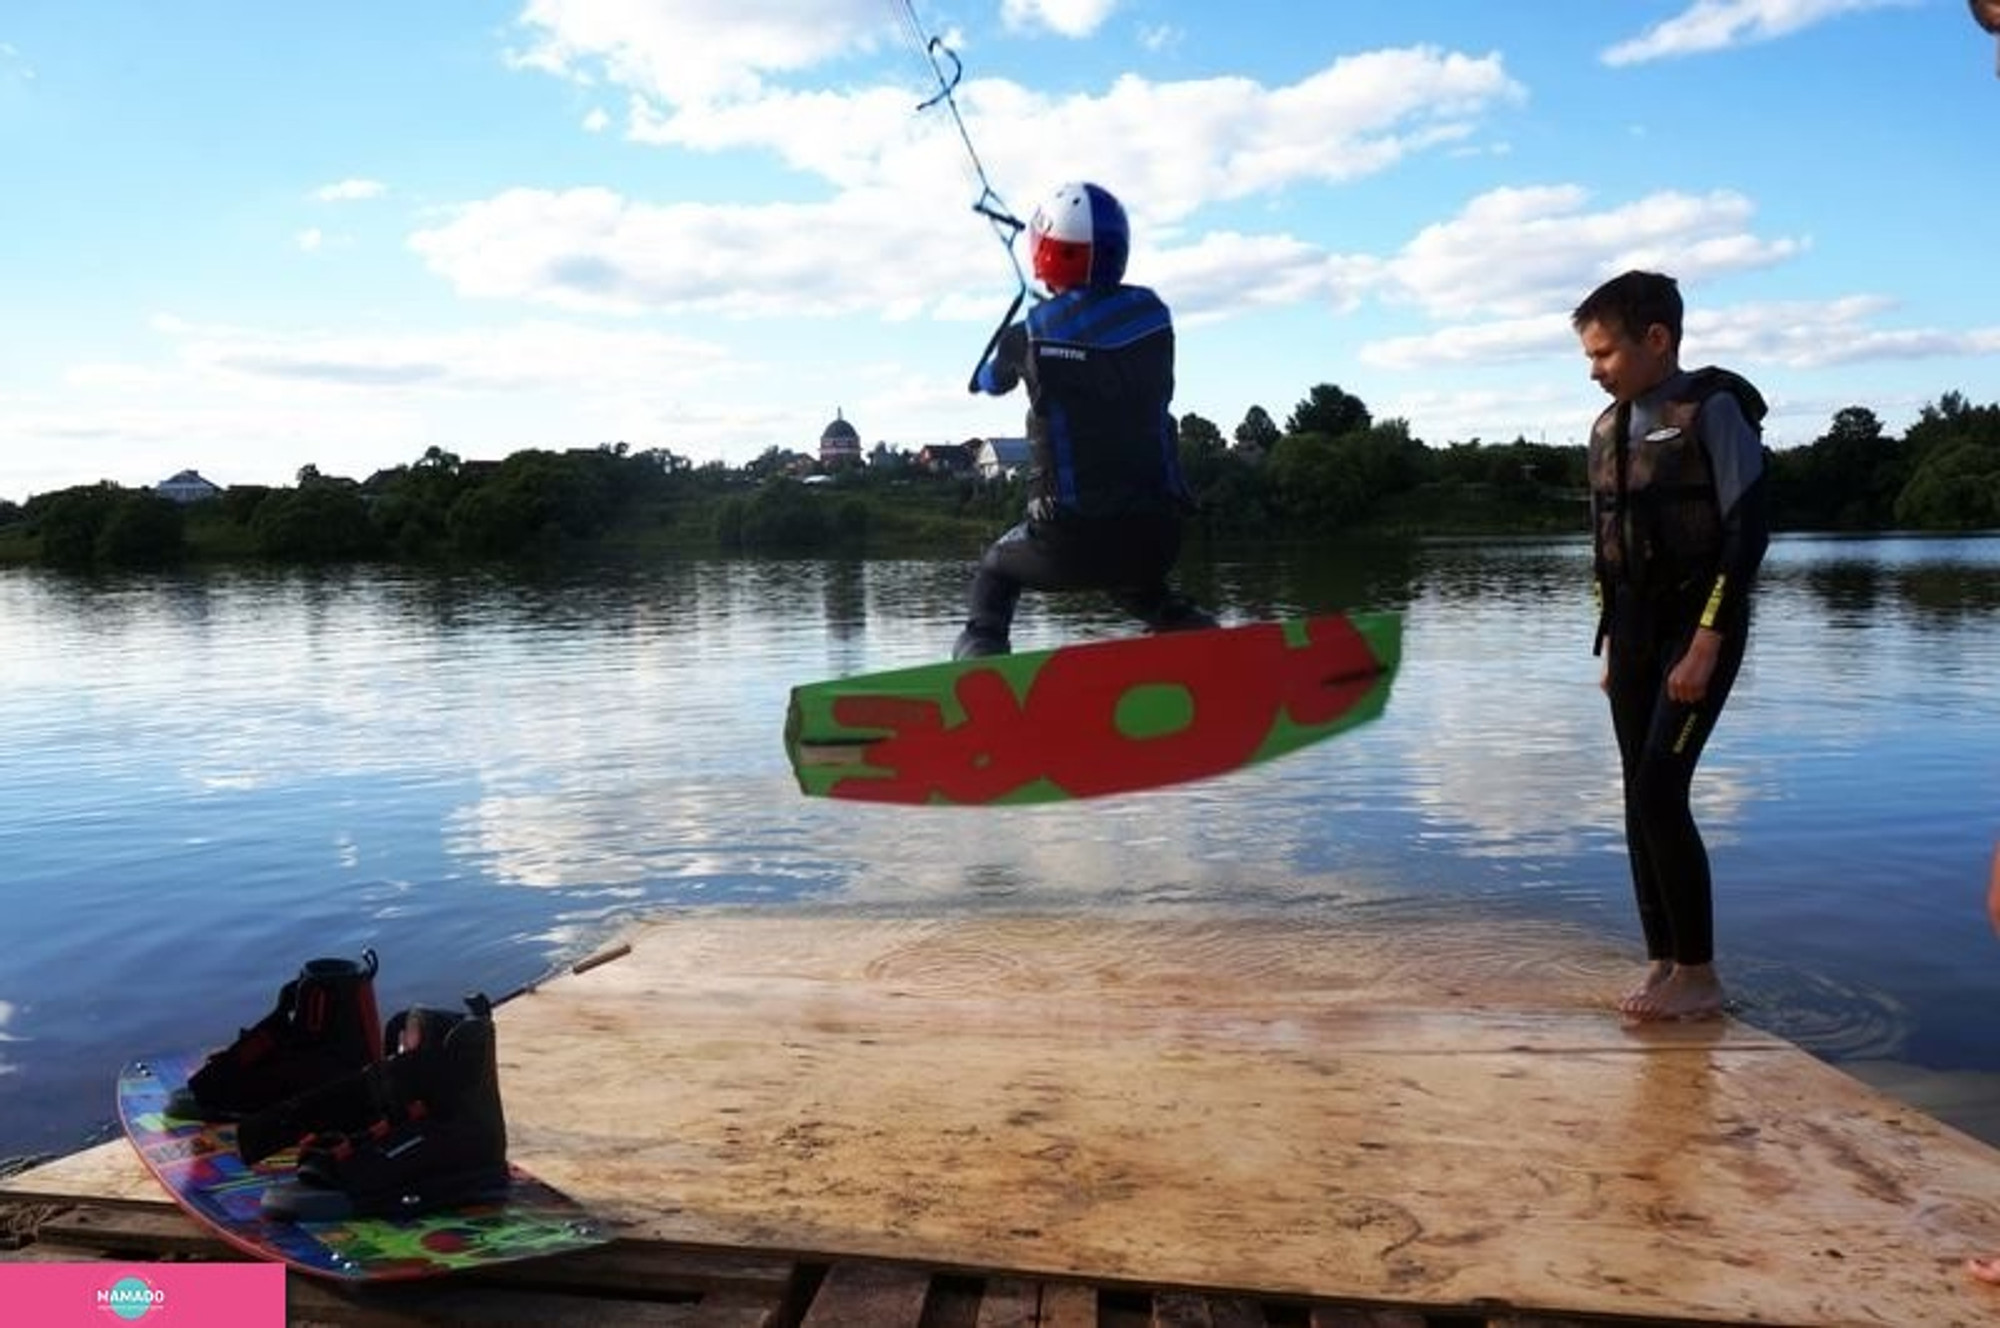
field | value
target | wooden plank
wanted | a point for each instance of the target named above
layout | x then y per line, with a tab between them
141	1232
1068	1305
1270	1108
106	1173
1236	1312
1010	1302
408	1305
953	1301
625	1266
1181	1309
1335	1316
868	1295
1369	1115
19	1221
643	1268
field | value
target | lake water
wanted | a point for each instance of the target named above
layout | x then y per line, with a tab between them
210	778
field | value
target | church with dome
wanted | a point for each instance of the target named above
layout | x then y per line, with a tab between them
839	444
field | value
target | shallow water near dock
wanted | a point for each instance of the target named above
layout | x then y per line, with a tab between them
212	777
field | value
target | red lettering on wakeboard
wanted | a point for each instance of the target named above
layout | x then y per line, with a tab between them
1239	684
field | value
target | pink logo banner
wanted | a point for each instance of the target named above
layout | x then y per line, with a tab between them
155	1295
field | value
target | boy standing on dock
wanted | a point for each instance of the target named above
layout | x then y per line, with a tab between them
1678	518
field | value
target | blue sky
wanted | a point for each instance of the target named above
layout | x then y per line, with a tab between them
245	238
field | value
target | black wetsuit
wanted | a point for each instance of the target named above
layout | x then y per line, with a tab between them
1680	522
1106	492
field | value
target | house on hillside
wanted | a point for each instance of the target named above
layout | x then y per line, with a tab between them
1001	458
946	458
187	486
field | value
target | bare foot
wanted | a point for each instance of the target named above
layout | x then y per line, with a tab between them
1986	1269
1690	991
1656	973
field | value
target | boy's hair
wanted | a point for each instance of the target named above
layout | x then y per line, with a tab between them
1633	302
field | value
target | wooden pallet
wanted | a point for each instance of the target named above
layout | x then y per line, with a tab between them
1050	1120
645	1284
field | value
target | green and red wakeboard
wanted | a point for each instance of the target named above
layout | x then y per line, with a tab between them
1103	717
198	1164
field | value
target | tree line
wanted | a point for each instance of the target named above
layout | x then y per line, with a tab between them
1330	469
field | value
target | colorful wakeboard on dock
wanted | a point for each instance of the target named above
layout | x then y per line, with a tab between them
198	1164
1086	720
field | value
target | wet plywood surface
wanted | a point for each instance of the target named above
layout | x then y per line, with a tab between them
1395	1116
1432	1118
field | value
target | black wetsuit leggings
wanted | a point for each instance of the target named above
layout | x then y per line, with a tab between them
1659	742
1126	557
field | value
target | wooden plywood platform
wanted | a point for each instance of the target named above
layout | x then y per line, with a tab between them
1441	1119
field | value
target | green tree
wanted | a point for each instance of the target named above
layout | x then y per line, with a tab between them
1313	483
1234	494
142	529
241	501
1202	451
1847	479
1956	488
1328	410
1955	450
412	505
774	462
320	521
1322	484
850	522
653	473
1258	433
784	516
729	521
68	522
536	500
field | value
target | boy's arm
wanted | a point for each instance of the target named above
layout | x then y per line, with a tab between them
1736	455
1000	371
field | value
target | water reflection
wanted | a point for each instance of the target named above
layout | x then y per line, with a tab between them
479	773
7	1067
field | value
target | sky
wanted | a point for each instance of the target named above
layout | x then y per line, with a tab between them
247	238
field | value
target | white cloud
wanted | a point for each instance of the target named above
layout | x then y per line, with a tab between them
692	52
697	73
597	121
892	237
518	358
1172	147
1819	334
594	250
1226	273
256	403
1517	251
1503	341
13	64
1715	25
310	239
1804	334
1068	18
1496	415
348	191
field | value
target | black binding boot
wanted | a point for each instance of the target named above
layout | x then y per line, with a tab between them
432	1132
324	1027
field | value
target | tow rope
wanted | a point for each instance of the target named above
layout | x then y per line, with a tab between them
1006	226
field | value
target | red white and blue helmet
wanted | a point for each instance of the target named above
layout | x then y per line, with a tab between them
1080	238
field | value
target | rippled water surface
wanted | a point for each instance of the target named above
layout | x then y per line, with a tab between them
210	778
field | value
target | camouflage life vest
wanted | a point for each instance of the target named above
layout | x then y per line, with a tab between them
1659	523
